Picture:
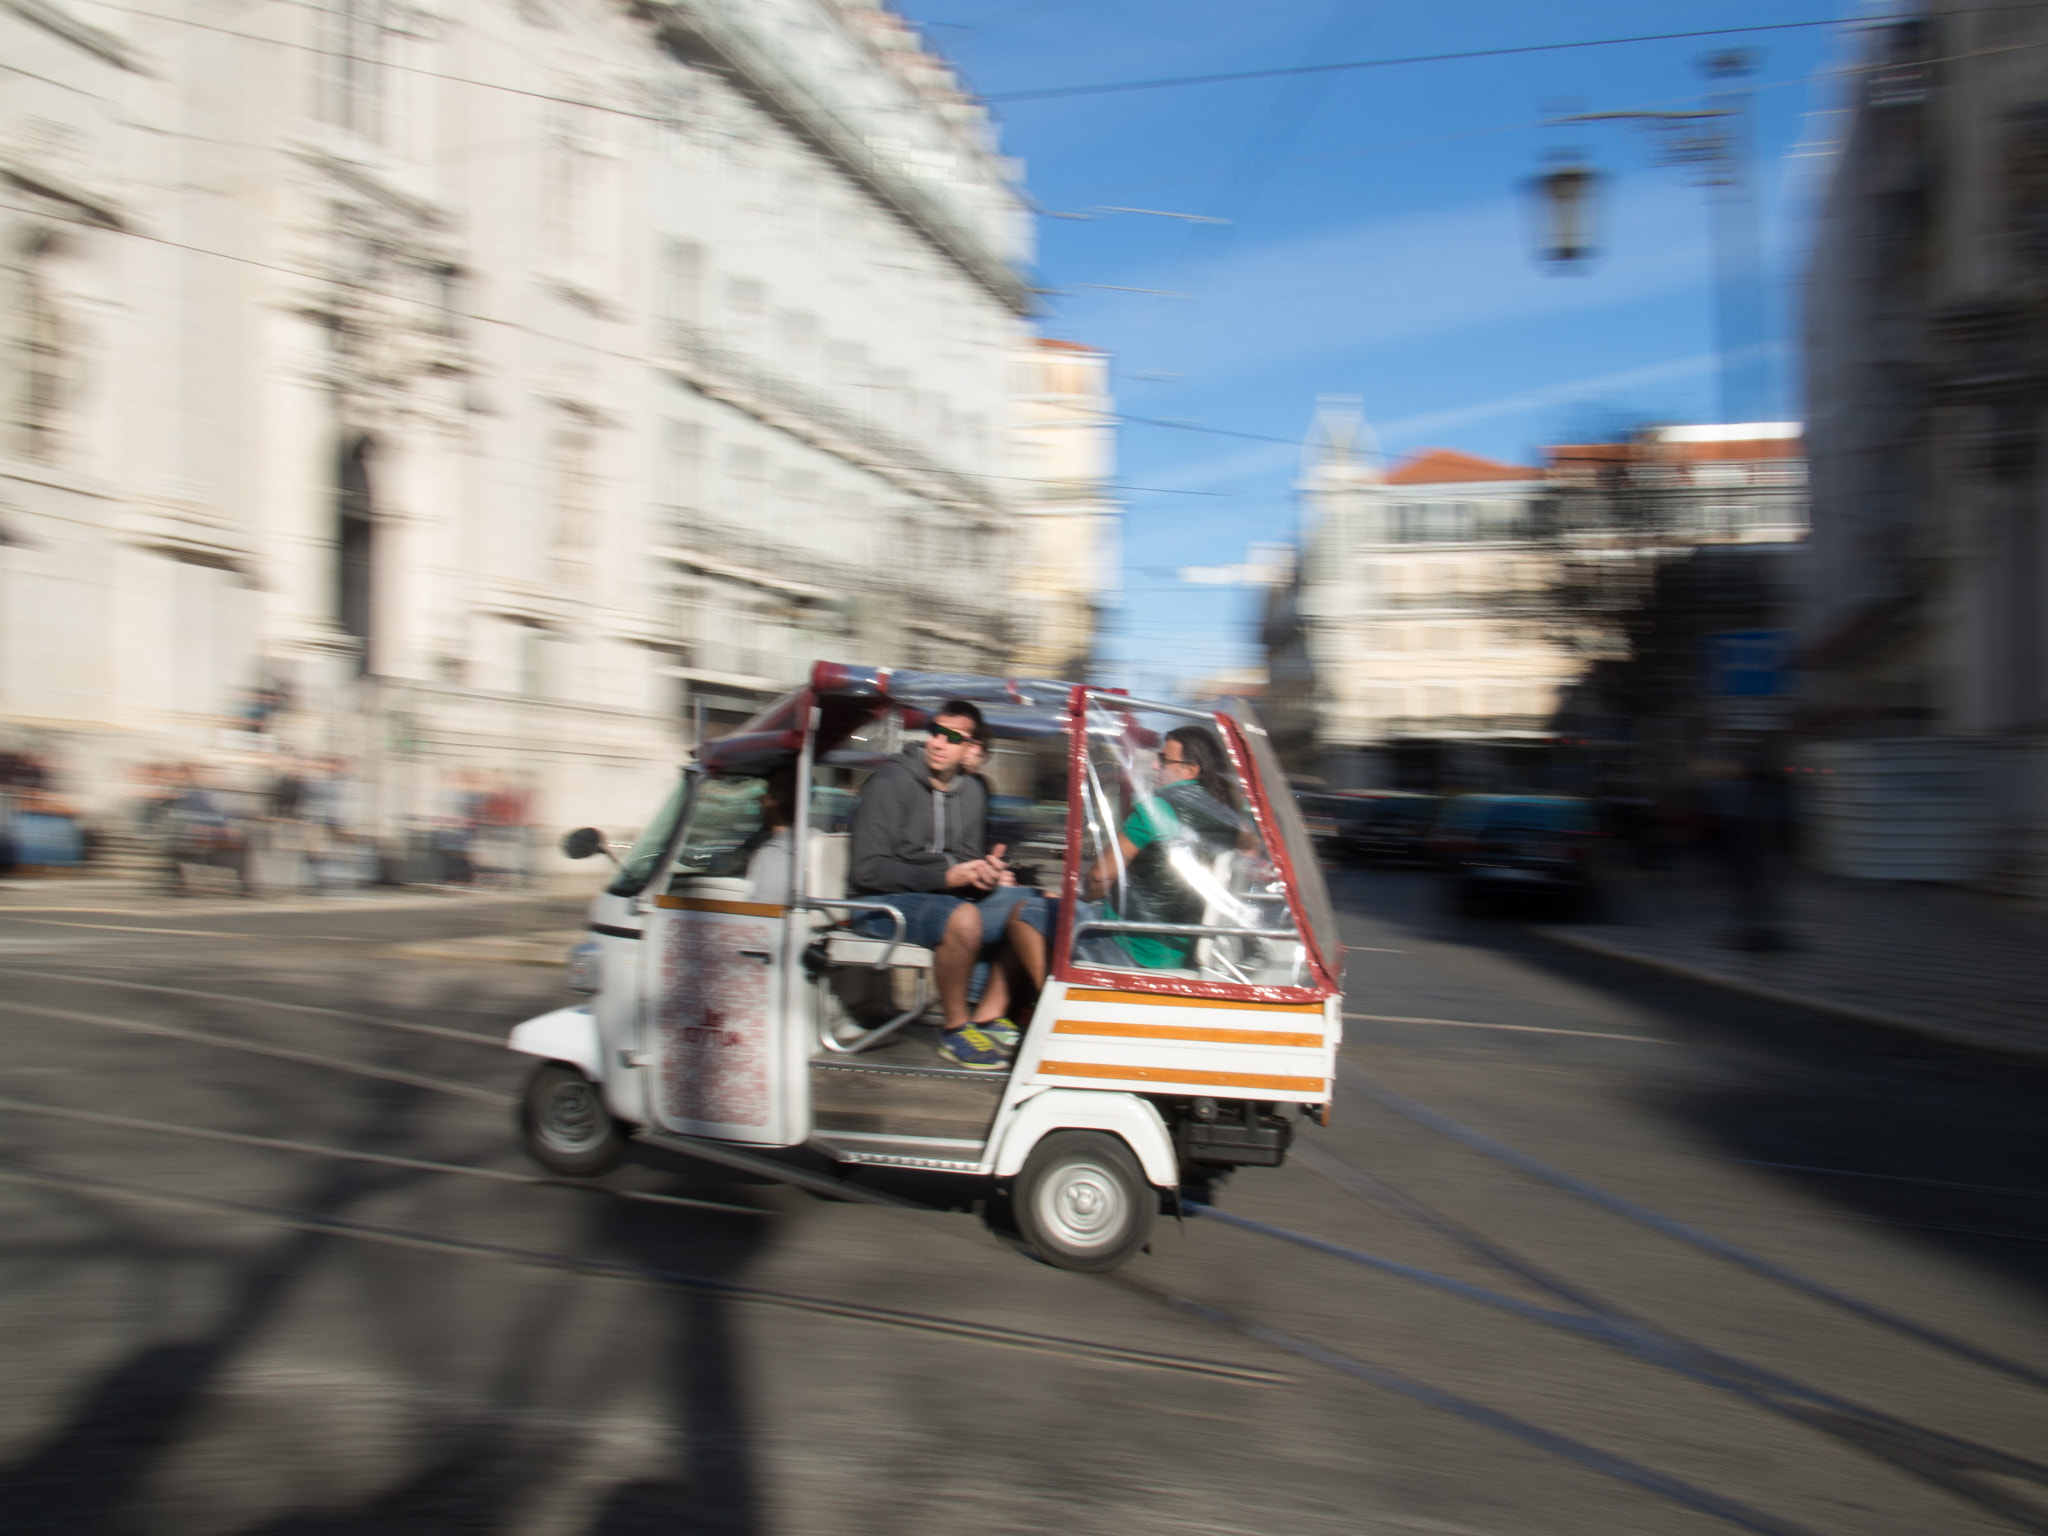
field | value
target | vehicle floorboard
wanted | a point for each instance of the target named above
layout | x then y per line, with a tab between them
903	1088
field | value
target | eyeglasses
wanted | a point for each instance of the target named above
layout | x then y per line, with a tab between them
958	738
1176	762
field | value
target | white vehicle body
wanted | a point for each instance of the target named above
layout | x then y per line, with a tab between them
722	1019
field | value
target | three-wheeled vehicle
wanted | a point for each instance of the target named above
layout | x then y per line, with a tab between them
1189	1018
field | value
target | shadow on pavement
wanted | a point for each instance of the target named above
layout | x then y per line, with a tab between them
1949	1146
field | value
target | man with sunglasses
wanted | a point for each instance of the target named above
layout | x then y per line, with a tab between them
920	845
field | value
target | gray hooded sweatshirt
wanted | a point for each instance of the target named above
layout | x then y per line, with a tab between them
906	834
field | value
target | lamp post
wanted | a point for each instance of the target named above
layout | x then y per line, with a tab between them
1716	142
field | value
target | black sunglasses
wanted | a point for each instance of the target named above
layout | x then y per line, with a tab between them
955	737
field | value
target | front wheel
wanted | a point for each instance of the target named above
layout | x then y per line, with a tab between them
565	1124
1082	1202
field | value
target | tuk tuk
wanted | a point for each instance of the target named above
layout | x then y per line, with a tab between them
1189	1018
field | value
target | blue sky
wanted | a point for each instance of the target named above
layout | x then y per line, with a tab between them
1379	243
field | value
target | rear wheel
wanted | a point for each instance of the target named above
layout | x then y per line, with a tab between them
1082	1202
565	1124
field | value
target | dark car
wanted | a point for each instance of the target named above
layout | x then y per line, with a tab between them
1390	826
1368	825
1512	848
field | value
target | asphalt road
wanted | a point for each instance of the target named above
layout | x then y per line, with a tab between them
214	1323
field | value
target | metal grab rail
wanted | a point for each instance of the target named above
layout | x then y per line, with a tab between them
880	1032
896	938
1195	930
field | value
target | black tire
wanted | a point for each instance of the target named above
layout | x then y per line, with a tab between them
565	1125
1082	1202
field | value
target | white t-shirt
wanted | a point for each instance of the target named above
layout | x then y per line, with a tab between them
770	868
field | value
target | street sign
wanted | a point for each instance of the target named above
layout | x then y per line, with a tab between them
1748	663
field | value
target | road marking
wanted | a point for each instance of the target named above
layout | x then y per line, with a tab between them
258	1048
496	1042
195	933
1520	1029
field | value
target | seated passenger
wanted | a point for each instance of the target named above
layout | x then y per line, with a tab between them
1158	866
770	852
919	846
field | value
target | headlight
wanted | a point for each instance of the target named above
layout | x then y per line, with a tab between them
586	967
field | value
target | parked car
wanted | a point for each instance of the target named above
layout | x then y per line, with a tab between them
1367	825
1390	826
1513	847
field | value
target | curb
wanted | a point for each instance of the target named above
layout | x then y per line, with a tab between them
493	949
1942	1034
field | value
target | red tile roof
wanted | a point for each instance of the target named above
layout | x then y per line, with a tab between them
1733	451
1065	346
1446	466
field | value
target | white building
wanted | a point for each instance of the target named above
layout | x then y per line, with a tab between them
1069	546
1391	637
1442	607
495	385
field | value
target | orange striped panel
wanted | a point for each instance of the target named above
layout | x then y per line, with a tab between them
1198	1079
1176	1032
731	908
1168	1000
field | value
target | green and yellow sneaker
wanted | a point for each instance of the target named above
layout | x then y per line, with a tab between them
973	1048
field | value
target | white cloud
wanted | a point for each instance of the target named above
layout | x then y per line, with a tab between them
1439	272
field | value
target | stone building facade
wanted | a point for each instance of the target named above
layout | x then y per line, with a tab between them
479	386
1432	627
1927	365
1388	651
1068	530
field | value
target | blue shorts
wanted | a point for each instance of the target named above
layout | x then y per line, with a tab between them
925	915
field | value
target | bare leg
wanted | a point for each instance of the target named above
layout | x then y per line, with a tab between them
995	998
1028	945
953	962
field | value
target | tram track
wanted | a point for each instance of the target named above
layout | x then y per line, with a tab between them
1951	1464
544	1259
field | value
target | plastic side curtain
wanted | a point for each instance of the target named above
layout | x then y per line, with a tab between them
1175	882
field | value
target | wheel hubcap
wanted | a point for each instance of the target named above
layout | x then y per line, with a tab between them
571	1118
1083	1206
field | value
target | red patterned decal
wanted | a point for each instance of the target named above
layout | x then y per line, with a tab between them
714	1019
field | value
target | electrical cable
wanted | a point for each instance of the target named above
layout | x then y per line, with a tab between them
1107	86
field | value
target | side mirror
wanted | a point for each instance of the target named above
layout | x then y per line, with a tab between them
582	843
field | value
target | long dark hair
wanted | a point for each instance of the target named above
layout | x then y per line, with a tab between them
1198	744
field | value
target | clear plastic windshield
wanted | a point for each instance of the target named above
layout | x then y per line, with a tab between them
640	861
726	826
1175	879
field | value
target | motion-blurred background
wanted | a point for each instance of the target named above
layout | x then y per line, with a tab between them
425	423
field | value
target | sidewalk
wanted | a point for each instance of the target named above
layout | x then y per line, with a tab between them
84	893
1946	964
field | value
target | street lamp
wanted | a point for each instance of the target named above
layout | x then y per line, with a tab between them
1564	212
1715	140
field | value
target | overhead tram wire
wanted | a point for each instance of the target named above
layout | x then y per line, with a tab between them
1164	82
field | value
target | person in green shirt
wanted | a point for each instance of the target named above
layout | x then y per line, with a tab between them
1196	812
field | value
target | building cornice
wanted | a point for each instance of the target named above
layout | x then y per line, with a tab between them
80	34
711	370
722	35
